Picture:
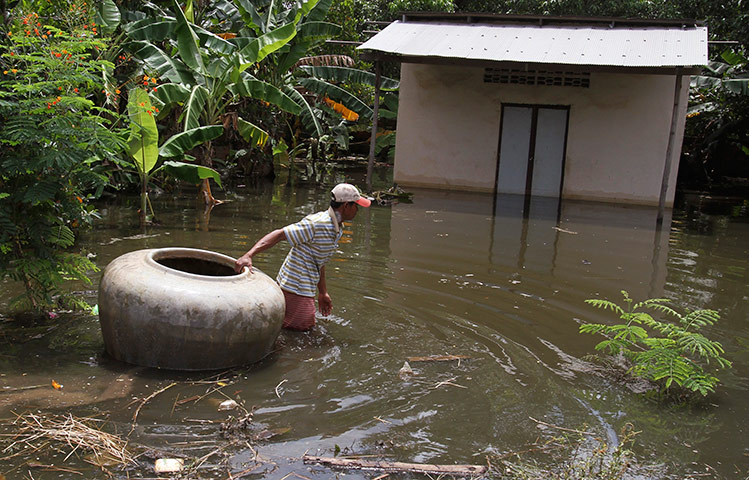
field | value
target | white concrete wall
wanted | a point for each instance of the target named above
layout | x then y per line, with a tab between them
449	123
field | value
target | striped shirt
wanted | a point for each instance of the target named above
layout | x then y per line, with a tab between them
314	239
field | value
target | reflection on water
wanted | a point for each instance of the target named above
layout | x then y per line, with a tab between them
503	282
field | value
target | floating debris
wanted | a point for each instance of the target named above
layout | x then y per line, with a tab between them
168	465
228	405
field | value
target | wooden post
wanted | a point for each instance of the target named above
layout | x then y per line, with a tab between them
375	114
670	149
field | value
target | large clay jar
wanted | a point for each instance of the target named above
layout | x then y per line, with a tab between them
186	309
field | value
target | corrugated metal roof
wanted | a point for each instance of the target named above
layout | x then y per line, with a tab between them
549	44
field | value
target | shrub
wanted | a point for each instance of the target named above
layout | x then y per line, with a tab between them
52	136
664	352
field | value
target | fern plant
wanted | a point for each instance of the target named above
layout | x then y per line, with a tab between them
664	352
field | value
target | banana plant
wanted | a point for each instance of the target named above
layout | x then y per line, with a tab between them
209	74
143	148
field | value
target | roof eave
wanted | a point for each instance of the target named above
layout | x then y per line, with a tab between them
371	55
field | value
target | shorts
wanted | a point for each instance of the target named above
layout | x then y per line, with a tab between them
300	311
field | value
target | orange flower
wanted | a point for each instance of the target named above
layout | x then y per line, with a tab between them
117	91
14	70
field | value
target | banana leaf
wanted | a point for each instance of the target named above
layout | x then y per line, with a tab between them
151	29
737	85
318	30
183	142
194	106
338	94
144	137
320	11
187	41
190	172
266	44
169	93
309	119
249	86
160	62
252	133
107	16
349	75
213	42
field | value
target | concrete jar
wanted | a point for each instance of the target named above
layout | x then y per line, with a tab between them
186	309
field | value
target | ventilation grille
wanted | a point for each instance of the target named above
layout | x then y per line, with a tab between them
537	77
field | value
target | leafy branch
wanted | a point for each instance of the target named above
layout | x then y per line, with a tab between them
664	352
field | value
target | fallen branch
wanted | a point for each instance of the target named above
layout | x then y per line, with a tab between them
438	358
146	400
360	464
550	425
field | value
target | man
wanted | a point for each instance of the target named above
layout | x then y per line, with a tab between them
313	241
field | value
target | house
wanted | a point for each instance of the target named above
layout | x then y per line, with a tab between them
568	108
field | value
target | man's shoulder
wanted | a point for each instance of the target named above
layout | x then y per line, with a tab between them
319	218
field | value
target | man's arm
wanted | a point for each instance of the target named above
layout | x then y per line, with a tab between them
263	244
324	303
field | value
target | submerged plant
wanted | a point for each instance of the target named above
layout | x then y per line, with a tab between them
665	352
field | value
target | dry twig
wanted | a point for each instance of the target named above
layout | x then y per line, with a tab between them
550	425
38	432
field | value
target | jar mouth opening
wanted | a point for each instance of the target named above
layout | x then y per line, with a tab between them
195	262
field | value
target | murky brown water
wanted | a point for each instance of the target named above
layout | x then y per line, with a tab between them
448	274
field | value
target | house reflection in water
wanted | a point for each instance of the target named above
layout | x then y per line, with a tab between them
569	250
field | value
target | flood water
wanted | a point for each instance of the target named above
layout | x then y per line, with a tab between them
449	274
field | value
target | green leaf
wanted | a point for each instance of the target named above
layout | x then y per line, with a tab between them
189	12
187	41
213	42
144	137
151	29
319	11
307	113
252	133
190	172
318	31
183	142
266	44
158	61
338	94
249	86
4	195
349	75
739	86
733	58
61	236
107	16
170	93
194	106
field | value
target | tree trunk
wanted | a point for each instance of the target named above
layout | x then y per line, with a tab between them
143	199
205	185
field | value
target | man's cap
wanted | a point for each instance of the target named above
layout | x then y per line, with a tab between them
345	192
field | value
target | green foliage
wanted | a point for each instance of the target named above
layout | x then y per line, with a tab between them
53	138
660	351
421	6
717	128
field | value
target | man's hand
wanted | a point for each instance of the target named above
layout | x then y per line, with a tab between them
325	304
243	261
